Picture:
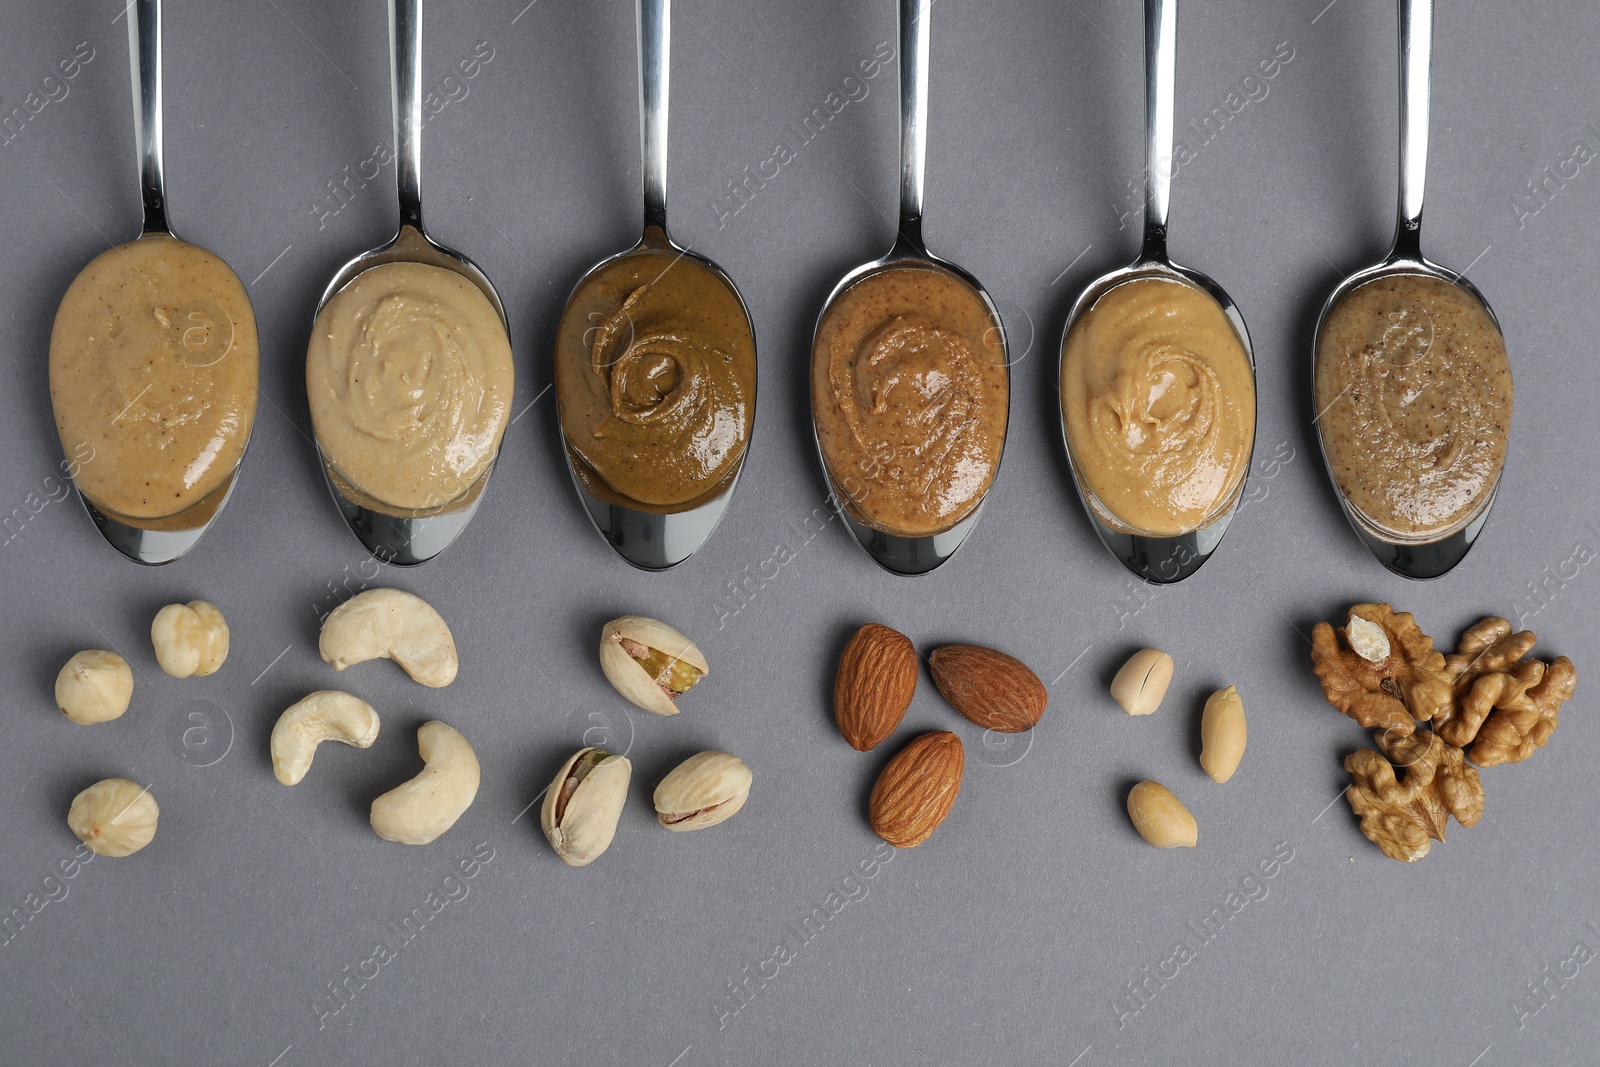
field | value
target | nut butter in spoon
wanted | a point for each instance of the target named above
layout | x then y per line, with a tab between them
655	369
1410	376
153	361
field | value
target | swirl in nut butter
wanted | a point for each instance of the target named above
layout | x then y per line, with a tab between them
410	377
910	397
655	378
153	374
1414	393
1158	397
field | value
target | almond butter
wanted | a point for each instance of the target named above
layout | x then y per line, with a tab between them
994	690
871	692
917	789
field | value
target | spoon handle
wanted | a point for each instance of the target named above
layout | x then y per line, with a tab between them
1160	66
655	57
914	33
144	54
405	76
1416	57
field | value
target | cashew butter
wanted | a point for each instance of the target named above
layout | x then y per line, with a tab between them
409	374
153	364
910	396
1159	402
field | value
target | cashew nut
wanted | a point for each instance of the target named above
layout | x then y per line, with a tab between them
191	640
114	817
425	807
94	686
326	715
391	624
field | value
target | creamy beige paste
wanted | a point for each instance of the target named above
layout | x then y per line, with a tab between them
910	395
1159	401
410	377
656	380
1413	391
153	365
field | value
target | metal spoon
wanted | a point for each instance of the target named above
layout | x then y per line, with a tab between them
1161	560
896	552
1418	558
155	541
407	538
656	539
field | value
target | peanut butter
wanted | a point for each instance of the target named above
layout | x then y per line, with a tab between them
1159	401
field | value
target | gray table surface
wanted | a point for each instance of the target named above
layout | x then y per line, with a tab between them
249	932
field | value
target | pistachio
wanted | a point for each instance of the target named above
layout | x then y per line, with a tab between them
703	790
649	662
583	804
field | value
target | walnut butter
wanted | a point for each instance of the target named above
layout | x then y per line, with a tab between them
1159	403
656	381
910	395
153	365
409	376
1413	391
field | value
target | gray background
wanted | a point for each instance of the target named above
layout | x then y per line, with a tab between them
1013	933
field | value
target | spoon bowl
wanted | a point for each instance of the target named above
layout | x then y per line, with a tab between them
900	553
156	541
653	537
399	536
1161	559
1435	553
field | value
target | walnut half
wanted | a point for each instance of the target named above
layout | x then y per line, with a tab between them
1504	706
1406	684
1403	814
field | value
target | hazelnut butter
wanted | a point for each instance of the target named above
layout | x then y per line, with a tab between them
409	376
1413	393
1159	403
910	396
153	366
656	381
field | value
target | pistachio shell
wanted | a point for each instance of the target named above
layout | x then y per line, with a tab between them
703	790
625	673
582	828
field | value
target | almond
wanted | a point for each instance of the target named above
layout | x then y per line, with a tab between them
877	675
917	788
994	690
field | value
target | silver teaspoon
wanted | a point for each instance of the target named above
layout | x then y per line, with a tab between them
210	335
394	535
1432	554
657	535
1157	559
853	487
